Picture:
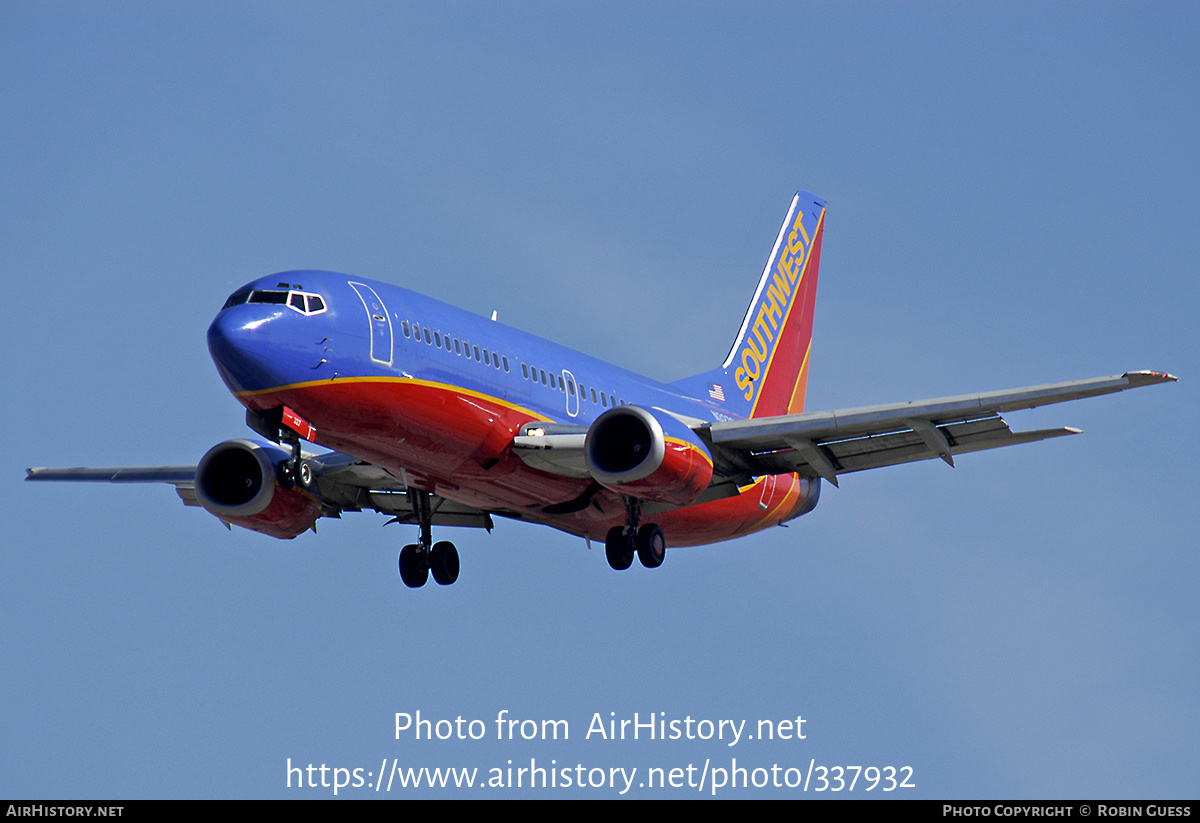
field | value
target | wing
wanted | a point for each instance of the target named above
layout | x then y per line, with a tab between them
342	484
556	448
349	484
183	477
826	444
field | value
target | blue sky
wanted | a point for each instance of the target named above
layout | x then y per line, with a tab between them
1012	200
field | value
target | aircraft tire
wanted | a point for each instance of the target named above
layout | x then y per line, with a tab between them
304	474
651	546
414	566
443	563
618	550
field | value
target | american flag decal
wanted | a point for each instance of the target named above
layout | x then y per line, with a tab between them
716	392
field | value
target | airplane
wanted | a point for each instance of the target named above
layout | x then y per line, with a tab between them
440	417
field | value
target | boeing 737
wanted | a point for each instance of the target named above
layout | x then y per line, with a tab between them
439	417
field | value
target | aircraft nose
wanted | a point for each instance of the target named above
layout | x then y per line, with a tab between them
239	340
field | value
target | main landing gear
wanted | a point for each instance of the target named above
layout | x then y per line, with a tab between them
418	560
623	542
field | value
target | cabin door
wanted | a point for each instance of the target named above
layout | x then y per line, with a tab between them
572	393
380	323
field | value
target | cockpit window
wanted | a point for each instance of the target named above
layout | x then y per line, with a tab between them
264	296
303	302
237	298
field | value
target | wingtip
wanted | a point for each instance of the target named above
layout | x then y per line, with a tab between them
1147	378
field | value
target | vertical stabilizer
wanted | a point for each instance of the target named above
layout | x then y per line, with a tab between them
766	371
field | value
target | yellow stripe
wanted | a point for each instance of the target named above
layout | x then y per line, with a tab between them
791	305
801	383
410	381
783	500
681	442
748	486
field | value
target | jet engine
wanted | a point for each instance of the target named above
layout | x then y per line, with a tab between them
241	482
648	455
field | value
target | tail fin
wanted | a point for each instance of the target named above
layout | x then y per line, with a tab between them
768	363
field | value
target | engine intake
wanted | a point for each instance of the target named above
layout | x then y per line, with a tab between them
239	482
637	452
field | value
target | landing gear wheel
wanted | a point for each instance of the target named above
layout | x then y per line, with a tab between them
618	549
651	546
414	566
304	474
443	562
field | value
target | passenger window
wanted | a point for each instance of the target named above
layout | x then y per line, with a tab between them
404	328
543	374
476	348
604	400
495	360
505	358
525	371
457	347
570	388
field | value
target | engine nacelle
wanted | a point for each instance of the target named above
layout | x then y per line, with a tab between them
239	481
648	455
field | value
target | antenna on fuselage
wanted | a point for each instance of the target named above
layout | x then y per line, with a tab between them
493	315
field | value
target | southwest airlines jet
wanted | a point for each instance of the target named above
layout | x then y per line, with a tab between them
439	417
